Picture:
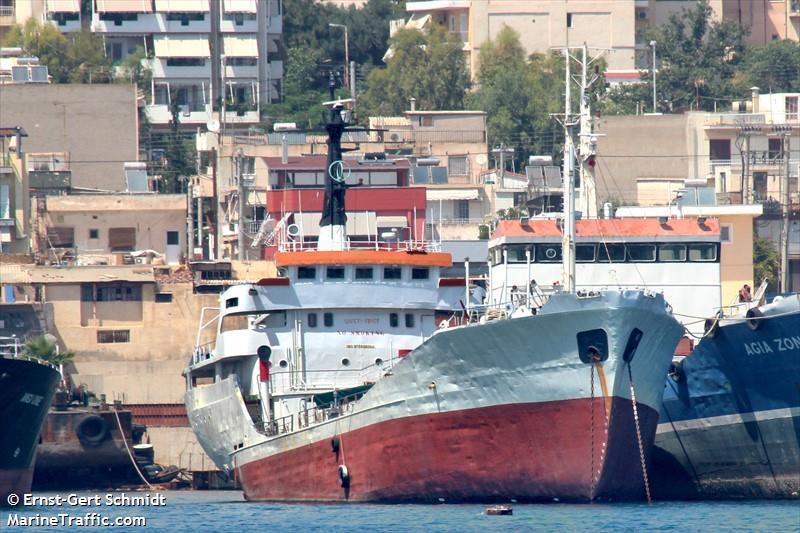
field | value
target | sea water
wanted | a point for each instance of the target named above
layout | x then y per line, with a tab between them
227	512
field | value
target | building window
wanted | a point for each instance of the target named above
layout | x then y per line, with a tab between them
719	149
5	201
394	319
184	18
327	319
426	121
61	237
111	292
364	273
392	273
334	273
243	62
94	233
306	273
163	297
312	320
725	233
457	165
409	320
186	62
122	239
792	106
420	273
569	20
113	336
462	209
775	149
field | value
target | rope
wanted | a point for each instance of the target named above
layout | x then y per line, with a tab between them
639	436
130	455
591	383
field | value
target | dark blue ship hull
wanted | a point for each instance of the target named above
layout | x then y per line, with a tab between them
729	424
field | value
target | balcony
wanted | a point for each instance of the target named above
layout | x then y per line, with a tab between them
197	114
737	120
52	180
241	71
135	23
65	22
242	116
238	24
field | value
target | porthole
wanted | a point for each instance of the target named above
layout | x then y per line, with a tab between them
283	363
345	361
378	361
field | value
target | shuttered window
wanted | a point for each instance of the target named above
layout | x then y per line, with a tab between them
122	239
61	237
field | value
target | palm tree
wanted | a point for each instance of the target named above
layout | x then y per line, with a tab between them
43	348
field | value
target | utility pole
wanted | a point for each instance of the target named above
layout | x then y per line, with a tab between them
189	222
785	211
215	248
653	44
237	161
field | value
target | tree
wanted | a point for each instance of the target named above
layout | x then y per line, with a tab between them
302	100
429	67
698	58
773	67
766	262
45	349
179	156
80	58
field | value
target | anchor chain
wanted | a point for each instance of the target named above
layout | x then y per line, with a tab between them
639	436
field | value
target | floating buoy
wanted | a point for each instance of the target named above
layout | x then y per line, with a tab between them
499	510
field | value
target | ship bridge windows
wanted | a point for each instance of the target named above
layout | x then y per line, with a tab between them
585	253
548	253
669	253
392	272
306	273
516	253
703	252
364	273
250	320
420	273
610	253
334	272
641	252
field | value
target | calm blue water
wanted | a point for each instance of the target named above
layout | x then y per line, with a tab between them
226	512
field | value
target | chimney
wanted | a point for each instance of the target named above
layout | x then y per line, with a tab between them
754	96
284	149
413	102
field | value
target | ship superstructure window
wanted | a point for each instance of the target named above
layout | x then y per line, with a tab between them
394	320
672	252
364	273
327	319
312	320
585	253
334	273
641	252
392	273
702	252
113	336
610	253
231	302
420	273
409	320
548	253
516	253
306	273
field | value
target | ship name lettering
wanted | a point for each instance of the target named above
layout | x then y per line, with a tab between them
787	343
32	399
757	348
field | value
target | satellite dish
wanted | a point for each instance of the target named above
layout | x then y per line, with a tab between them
481	159
213	125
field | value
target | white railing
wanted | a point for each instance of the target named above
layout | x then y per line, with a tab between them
289	245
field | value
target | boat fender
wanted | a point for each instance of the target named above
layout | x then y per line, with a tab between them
756	315
711	326
335	444
344	476
92	430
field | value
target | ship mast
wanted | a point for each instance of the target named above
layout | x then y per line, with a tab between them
568	232
332	231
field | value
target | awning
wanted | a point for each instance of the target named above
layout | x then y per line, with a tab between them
239	6
417	22
182	6
124	6
392	222
63	6
434	195
357	223
186	46
240	46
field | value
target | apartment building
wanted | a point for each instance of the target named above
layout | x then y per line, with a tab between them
208	57
542	25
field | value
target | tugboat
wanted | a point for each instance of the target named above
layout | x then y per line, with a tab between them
362	375
731	411
27	386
